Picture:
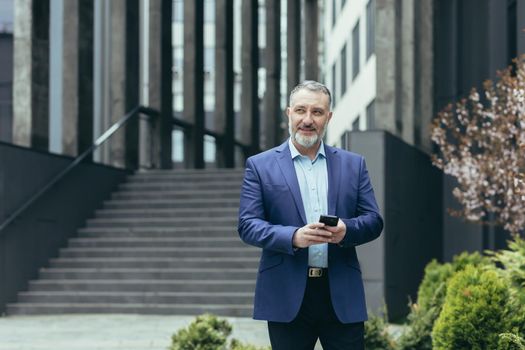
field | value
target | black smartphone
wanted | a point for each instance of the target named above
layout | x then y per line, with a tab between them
329	220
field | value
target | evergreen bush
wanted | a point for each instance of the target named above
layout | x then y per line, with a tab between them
208	332
376	334
475	311
430	297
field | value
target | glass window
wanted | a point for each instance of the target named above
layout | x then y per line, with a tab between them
334	16
178	11
355	123
343	71
370	115
209	59
355	50
209	11
345	140
334	90
370	28
6	16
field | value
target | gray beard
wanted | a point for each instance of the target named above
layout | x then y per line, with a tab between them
305	141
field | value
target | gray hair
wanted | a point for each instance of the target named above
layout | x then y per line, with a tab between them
314	86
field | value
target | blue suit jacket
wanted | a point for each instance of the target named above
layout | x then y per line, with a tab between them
271	210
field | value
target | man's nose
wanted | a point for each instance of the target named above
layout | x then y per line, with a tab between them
308	118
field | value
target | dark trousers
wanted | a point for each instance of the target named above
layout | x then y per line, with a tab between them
316	319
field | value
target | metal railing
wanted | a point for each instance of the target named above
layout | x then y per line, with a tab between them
99	141
150	112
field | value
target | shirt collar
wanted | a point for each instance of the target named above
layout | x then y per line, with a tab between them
295	153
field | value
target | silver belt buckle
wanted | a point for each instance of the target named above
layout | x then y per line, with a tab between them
315	272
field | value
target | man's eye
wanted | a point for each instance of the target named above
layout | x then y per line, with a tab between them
299	110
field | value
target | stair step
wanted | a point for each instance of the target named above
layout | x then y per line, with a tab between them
158	252
154	263
178	195
130	285
74	297
237	310
154	232
167	213
165	243
147	274
152	222
226	242
190	173
180	185
171	204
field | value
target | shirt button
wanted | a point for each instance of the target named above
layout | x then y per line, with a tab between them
309	168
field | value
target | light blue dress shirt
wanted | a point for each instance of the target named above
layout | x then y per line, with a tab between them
313	183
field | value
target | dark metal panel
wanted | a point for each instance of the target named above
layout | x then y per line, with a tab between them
272	101
194	81
224	78
85	75
520	11
293	42
28	243
250	64
40	75
311	34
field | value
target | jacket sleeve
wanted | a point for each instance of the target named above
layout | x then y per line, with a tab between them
253	228
368	223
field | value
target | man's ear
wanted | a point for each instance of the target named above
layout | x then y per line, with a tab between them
288	110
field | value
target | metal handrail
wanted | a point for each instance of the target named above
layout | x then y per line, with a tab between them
100	140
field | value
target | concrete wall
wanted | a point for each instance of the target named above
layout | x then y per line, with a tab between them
29	242
408	190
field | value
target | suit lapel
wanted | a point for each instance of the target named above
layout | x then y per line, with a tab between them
334	177
285	162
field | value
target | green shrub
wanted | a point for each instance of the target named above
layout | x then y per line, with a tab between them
376	334
513	271
474	311
436	276
237	345
420	321
430	297
511	341
208	332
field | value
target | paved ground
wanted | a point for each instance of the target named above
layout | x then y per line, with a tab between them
115	332
108	332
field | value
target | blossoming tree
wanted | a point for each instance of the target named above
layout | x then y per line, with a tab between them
481	143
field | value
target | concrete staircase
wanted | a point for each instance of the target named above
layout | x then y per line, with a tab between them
165	243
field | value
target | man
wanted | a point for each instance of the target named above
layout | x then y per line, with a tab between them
309	283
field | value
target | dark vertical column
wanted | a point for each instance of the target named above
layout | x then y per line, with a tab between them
520	13
293	41
40	59
224	114
194	82
446	45
250	65
311	35
132	82
157	130
166	118
85	74
272	100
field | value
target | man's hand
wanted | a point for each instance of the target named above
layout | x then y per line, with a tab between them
311	234
338	232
